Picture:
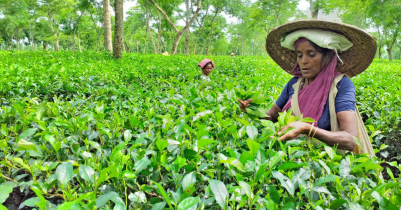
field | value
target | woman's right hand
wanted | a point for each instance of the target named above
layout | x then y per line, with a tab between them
243	104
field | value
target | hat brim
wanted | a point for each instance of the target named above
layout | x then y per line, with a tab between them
356	59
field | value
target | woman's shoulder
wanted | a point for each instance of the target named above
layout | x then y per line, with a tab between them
293	81
345	82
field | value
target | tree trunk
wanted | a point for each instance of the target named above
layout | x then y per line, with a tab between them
187	31
211	32
45	46
242	45
68	42
390	55
399	54
73	40
119	29
49	17
74	30
236	45
314	9
390	47
201	28
164	45
179	33
148	28
79	43
18	41
204	41
315	13
31	36
176	42
56	46
380	43
107	26
159	34
99	38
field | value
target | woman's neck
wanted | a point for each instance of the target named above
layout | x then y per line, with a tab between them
308	81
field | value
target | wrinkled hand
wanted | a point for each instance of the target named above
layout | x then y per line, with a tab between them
243	104
298	128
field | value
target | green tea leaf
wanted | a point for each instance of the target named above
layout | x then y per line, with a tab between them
164	194
203	143
188	203
188	180
159	206
40	110
252	131
330	151
345	168
323	180
31	202
161	144
137	197
384	203
273	194
285	182
245	156
25	145
234	162
5	191
253	146
69	205
337	203
269	125
325	167
27	133
103	199
2	207
260	172
289	206
247	189
220	192
190	154
87	173
64	173
141	165
300	177
290	166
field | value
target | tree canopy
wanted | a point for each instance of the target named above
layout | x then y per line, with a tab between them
183	26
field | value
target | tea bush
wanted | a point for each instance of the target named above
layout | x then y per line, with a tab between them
84	131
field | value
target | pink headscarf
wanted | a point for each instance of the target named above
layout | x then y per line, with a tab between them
204	62
313	98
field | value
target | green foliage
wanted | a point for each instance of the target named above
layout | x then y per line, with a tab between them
141	132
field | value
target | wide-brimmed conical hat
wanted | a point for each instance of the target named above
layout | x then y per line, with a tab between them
356	59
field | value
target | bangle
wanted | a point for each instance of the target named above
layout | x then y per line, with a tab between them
317	128
310	131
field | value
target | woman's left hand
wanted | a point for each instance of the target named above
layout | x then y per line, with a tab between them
298	128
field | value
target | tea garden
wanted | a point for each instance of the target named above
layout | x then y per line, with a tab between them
85	131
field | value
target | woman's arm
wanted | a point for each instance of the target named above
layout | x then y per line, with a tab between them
273	113
343	138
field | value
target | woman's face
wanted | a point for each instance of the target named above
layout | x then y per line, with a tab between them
208	68
309	60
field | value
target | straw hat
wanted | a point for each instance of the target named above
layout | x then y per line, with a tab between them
356	59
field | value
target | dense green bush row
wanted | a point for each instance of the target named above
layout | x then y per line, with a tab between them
84	131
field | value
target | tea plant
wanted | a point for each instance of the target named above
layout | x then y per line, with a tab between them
84	131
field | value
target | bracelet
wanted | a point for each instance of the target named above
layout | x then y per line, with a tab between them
310	131
317	128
